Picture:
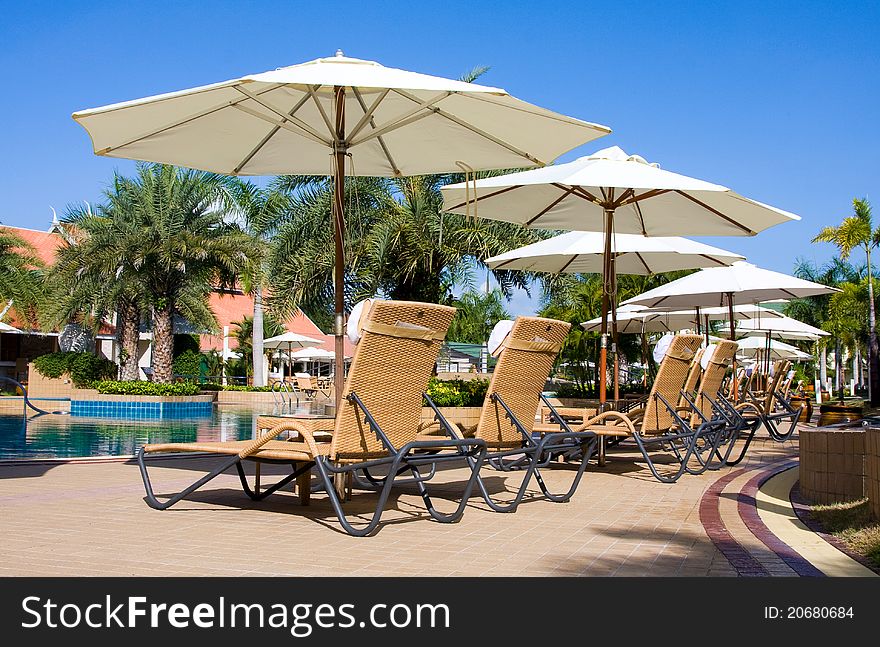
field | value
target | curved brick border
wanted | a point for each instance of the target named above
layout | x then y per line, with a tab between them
748	512
710	516
802	509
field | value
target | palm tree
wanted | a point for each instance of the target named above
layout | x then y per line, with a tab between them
101	245
188	246
244	334
858	231
20	275
478	312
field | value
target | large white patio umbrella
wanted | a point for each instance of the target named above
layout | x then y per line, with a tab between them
615	193
782	327
308	118
291	340
630	320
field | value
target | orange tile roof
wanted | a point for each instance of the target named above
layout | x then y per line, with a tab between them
43	242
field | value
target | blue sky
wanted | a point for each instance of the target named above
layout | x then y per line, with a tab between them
777	100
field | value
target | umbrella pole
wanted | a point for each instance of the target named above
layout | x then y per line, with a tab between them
339	235
614	346
732	338
603	344
706	328
697	308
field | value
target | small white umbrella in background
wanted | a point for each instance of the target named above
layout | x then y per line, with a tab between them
615	193
313	117
291	340
750	347
782	328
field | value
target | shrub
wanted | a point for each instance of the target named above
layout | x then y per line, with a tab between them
83	368
457	393
188	364
234	387
137	387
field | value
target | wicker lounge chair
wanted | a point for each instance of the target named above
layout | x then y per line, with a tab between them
310	386
507	420
375	428
655	425
769	408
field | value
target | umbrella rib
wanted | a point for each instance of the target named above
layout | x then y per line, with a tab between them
482	133
647	269
717	213
653	193
641	218
580	192
403	120
323	112
180	122
567	193
368	113
483	197
568	262
281	124
368	118
289	116
266	139
714	260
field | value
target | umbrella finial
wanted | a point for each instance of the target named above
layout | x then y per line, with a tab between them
339	53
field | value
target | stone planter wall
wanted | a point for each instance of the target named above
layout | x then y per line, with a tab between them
40	386
832	464
872	470
246	397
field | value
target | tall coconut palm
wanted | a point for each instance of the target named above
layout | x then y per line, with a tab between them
20	275
244	335
858	232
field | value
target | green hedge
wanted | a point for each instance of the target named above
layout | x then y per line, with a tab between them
83	368
137	387
234	387
457	393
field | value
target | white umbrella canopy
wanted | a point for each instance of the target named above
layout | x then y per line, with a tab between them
740	283
582	252
643	198
782	327
312	354
613	192
284	121
308	118
751	346
10	329
290	340
635	319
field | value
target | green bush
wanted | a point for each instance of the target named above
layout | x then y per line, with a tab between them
234	387
188	364
136	387
457	393
83	368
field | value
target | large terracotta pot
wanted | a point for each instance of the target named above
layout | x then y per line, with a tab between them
831	414
807	411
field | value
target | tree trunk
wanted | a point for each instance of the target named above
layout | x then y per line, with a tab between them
163	345
873	345
856	366
838	369
128	325
823	368
257	352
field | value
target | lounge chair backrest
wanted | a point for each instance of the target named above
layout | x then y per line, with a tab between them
524	364
690	384
304	381
389	372
670	379
779	370
713	377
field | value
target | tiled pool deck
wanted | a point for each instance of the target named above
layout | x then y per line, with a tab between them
90	519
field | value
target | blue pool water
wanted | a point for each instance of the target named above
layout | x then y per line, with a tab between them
66	436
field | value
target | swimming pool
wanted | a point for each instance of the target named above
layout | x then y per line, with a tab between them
65	436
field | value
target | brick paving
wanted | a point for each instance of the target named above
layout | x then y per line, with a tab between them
90	519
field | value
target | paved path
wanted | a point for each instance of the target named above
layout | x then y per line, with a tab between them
90	519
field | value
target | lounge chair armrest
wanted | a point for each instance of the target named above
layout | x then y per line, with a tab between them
288	425
604	418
